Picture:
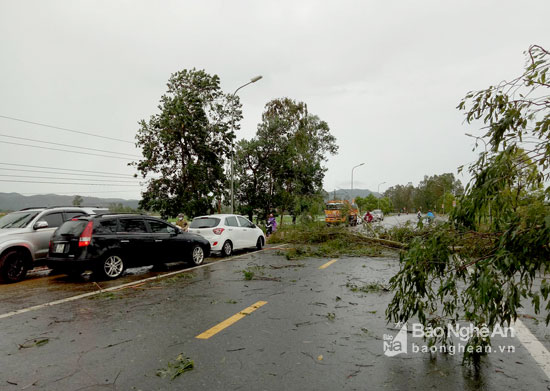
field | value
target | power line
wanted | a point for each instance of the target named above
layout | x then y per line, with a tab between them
70	179
64	150
82	192
68	183
67	145
63	169
65	129
65	173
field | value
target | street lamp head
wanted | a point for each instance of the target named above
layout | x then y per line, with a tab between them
255	79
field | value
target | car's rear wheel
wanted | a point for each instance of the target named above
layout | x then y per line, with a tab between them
227	248
197	255
112	266
14	266
260	243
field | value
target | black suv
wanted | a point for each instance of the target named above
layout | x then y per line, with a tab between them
108	243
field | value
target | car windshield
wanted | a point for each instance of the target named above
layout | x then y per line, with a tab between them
334	206
17	219
72	227
204	222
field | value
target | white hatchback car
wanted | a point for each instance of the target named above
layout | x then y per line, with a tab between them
377	215
228	232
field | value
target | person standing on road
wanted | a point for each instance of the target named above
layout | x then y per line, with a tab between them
368	217
271	224
430	216
182	223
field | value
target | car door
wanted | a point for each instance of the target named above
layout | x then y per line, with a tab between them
247	233
165	245
233	231
43	235
136	242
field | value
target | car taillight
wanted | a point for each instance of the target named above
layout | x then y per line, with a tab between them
51	246
86	235
218	231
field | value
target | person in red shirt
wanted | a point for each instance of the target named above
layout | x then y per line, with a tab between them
367	217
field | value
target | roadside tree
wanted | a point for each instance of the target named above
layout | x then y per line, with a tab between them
184	146
282	167
401	196
431	190
77	200
369	202
385	205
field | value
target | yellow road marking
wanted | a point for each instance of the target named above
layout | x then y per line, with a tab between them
229	321
327	264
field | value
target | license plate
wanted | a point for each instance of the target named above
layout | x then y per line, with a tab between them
60	247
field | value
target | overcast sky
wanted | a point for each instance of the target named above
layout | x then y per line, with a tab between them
386	76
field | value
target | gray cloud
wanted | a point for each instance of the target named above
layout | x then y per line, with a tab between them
386	76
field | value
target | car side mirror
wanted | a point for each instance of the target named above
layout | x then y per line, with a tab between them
252	225
41	225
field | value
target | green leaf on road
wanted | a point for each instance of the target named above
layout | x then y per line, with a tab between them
175	369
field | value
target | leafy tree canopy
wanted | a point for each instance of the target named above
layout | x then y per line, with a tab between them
77	200
369	202
282	167
431	193
184	146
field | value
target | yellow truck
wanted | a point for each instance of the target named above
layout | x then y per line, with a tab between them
341	212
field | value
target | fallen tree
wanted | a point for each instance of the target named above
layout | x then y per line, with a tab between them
504	212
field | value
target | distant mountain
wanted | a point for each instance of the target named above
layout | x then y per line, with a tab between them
16	201
345	194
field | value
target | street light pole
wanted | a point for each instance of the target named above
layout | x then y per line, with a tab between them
351	191
253	80
378	191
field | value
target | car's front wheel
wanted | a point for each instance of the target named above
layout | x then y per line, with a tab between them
112	266
13	266
197	255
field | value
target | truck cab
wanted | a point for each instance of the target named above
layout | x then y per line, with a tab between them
341	212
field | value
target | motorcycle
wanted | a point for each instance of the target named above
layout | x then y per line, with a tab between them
270	227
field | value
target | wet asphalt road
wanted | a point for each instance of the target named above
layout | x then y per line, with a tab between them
314	333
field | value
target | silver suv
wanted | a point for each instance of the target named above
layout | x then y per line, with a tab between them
25	237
